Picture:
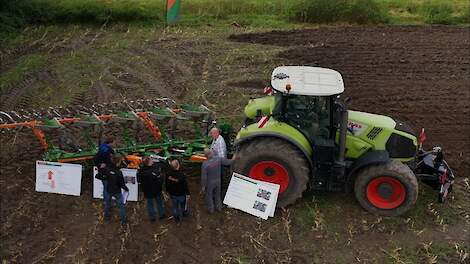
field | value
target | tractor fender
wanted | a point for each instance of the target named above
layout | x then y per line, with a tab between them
373	157
241	141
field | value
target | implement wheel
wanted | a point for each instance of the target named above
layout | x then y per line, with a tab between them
276	161
389	189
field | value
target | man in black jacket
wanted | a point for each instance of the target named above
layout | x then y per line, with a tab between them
150	179
115	182
177	187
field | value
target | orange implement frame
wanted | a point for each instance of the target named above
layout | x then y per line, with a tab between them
150	125
134	161
34	126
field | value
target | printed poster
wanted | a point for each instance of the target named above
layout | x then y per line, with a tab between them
252	196
130	178
61	178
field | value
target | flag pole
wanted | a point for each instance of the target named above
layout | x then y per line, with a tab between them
165	12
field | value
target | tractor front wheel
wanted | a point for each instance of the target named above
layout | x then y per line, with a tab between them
389	189
276	161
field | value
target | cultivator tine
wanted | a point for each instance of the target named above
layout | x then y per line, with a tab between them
8	117
25	115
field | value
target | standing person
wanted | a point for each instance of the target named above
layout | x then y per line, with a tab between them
177	187
151	179
218	145
210	179
105	152
219	149
115	182
103	158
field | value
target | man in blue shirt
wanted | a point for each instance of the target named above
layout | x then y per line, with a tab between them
103	159
105	153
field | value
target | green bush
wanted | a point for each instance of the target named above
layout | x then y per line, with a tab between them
366	12
11	16
438	12
329	11
464	17
15	14
94	11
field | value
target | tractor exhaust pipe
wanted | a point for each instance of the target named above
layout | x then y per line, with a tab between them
339	167
343	128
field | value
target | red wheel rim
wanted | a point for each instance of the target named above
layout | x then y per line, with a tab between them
386	192
270	171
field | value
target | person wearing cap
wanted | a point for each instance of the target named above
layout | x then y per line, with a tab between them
151	179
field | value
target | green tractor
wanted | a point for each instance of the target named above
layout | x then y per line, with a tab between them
302	136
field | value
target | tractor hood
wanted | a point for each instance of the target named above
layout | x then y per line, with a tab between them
381	133
264	104
361	121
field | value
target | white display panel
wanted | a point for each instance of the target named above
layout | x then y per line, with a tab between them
61	178
252	196
130	178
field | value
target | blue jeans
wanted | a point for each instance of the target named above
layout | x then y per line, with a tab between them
178	206
119	203
105	193
151	207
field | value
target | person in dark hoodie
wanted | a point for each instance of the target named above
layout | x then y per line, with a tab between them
151	179
177	187
115	182
103	158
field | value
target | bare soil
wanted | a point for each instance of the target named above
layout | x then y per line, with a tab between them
420	75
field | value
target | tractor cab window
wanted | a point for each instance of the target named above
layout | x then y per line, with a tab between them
309	114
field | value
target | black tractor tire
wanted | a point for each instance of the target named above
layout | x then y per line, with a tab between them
283	153
394	171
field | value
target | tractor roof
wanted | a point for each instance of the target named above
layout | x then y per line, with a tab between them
306	80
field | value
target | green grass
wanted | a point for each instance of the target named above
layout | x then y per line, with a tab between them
25	65
437	12
331	11
449	12
16	14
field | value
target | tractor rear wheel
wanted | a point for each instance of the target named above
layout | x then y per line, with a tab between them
389	189
276	161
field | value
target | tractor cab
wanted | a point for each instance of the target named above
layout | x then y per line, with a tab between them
306	99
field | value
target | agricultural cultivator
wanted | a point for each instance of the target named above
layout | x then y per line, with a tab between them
72	134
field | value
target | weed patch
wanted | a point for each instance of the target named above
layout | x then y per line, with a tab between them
325	11
25	65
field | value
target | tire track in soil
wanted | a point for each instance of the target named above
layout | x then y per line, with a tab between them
17	92
21	95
